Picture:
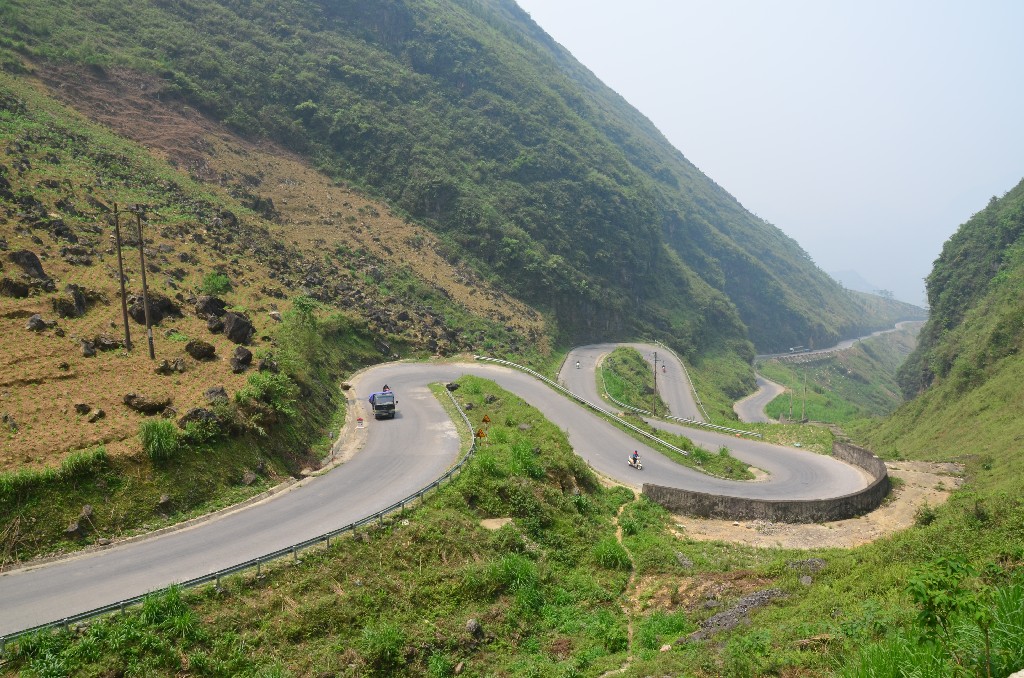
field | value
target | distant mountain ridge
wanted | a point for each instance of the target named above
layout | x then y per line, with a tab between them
464	115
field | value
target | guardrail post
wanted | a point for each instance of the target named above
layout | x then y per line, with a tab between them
327	540
217	582
295	556
3	644
258	562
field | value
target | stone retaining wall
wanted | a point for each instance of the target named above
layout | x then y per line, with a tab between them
705	505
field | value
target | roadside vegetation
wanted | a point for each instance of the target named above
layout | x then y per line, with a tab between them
554	592
837	388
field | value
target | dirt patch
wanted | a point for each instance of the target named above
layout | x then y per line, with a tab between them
495	523
922	483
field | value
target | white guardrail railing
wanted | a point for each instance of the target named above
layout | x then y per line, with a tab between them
257	563
682	420
583	401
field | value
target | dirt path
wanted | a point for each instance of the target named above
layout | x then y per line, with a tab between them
922	483
630	607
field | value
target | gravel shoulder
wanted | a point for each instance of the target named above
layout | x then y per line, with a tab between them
923	482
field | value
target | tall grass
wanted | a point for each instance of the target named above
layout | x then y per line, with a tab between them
75	465
160	439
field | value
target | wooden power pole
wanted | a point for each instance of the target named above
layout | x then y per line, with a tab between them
145	289
120	279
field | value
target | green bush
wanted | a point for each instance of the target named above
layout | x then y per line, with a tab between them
160	439
609	554
215	284
274	390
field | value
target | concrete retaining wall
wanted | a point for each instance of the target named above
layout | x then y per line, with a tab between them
705	505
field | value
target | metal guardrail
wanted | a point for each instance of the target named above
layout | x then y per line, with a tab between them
582	401
682	420
686	373
257	563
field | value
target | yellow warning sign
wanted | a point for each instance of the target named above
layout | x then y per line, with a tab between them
480	433
486	419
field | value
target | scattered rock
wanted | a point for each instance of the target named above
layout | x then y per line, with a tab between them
170	367
452	386
275	315
214	324
265	365
160	307
683	560
86	513
88	348
13	288
103	541
210	307
96	416
238	328
468	407
248	478
806	580
490	398
63	366
810	564
345	386
165	503
474	629
200	415
729	619
73	530
83	408
665	648
28	262
241	360
37	324
524	427
104	342
216	394
200	350
9	420
146	405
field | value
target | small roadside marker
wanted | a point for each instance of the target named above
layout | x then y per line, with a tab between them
359	423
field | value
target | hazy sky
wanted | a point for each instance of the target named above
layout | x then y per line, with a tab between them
867	130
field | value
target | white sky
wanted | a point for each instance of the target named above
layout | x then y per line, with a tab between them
868	130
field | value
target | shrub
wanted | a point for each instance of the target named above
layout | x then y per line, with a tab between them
215	284
609	554
275	390
159	439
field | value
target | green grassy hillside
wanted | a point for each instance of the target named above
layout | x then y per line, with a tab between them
464	115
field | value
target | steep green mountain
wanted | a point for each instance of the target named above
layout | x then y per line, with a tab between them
975	295
464	115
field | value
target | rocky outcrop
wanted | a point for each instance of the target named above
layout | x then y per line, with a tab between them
238	328
241	360
201	350
210	307
160	307
13	288
145	404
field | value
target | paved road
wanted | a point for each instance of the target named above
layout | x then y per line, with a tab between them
673	385
397	458
751	408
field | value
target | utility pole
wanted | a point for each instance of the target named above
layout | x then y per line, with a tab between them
145	289
803	408
120	279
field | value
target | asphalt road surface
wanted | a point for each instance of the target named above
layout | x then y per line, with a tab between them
751	408
397	458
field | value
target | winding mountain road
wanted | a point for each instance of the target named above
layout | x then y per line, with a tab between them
396	458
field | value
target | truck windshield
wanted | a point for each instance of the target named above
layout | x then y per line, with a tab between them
384	399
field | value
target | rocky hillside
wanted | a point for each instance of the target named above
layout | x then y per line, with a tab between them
222	265
464	115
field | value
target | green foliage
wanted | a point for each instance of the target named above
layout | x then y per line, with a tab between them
382	646
215	284
535	173
660	627
629	379
77	465
274	390
160	439
609	554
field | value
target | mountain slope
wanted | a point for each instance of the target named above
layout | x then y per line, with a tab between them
464	115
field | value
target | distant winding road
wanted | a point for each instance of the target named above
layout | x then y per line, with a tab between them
395	458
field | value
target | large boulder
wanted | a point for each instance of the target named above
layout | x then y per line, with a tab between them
216	394
72	304
37	324
28	262
104	342
145	404
207	307
13	288
238	328
241	360
201	350
198	415
160	307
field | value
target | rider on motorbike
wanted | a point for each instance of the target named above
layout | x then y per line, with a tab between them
634	458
